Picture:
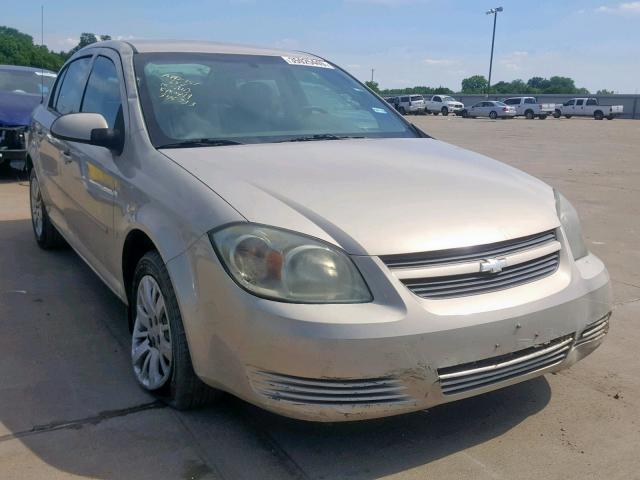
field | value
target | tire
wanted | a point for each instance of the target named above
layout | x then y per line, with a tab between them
598	115
157	327
402	111
556	114
610	117
529	115
542	117
46	234
568	116
465	114
444	111
435	114
493	115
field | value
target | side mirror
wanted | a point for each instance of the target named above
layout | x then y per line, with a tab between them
89	128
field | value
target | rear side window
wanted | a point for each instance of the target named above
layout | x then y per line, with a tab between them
416	98
512	101
592	101
72	86
529	100
579	102
404	99
103	91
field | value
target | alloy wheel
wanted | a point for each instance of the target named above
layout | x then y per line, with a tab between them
36	207
151	351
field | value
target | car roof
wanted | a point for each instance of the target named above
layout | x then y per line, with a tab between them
18	68
189	46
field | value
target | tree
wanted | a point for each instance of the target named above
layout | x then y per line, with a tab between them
474	84
17	48
604	91
538	84
373	86
561	85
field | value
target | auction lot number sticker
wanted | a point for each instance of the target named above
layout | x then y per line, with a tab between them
307	61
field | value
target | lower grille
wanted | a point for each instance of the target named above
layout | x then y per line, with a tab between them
470	376
477	283
317	391
596	330
12	138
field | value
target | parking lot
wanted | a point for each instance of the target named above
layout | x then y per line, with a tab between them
70	407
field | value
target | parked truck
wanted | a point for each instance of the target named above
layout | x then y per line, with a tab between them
530	108
587	107
443	104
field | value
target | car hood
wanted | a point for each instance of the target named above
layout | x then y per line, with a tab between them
16	108
376	196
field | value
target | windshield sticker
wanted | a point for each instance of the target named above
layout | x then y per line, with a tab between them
307	62
46	74
175	89
379	110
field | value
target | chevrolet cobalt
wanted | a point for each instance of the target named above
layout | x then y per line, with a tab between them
279	232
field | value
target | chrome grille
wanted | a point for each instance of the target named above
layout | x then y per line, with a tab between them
595	330
477	283
470	376
329	391
457	255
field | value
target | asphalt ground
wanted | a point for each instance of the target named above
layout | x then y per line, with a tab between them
70	407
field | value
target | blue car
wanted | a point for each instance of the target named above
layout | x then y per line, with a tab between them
21	90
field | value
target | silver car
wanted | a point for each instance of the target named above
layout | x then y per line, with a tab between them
326	262
492	109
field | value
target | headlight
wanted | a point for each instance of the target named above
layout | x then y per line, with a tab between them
282	265
571	226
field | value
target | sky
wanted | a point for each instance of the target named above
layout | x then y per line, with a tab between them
407	42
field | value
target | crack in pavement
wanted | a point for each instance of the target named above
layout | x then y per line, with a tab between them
79	423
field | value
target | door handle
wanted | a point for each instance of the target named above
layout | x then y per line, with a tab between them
66	157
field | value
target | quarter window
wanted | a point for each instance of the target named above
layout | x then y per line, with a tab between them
103	91
72	86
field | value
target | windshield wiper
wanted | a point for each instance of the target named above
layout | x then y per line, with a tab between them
322	136
201	142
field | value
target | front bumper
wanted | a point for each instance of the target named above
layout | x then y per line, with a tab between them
391	356
13	141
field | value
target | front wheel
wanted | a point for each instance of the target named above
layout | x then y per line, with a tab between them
159	351
568	116
435	114
444	111
598	115
493	115
46	234
610	117
542	117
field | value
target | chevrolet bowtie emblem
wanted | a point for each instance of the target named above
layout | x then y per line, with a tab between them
493	265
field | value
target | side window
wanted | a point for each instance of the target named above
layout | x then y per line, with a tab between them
592	101
404	99
579	102
103	91
512	101
437	99
570	102
529	100
56	88
72	86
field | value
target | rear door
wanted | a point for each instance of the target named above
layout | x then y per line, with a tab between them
92	172
55	153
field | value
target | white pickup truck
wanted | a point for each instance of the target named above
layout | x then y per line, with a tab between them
443	104
530	108
587	107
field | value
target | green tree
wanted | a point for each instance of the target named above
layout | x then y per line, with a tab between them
372	86
474	84
538	84
604	91
17	48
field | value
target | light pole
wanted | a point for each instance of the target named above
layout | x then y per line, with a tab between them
372	70
493	11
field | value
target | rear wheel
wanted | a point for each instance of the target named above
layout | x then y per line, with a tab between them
556	114
159	351
542	117
436	113
598	115
444	111
529	114
567	116
610	117
46	234
493	115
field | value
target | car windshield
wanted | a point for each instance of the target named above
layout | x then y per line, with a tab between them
24	81
195	99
